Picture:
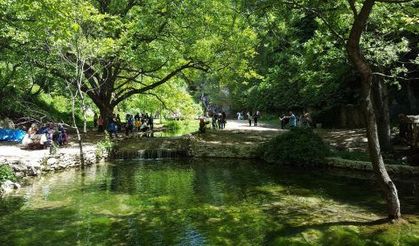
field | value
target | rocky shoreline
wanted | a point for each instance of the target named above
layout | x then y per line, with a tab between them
228	144
36	163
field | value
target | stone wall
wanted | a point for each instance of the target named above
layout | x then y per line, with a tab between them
44	163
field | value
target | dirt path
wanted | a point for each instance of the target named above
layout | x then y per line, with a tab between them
243	125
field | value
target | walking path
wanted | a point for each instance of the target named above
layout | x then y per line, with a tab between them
243	125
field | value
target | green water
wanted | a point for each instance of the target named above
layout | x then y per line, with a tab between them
203	202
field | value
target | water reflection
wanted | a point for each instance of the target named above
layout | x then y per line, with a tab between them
201	202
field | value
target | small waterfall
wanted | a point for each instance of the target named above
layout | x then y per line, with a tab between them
149	154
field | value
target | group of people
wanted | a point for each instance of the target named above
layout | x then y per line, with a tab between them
219	120
45	136
250	117
138	122
293	121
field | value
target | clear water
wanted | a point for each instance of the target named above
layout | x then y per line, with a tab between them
204	202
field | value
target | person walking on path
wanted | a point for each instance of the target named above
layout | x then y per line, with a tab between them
293	120
223	120
256	117
214	120
151	122
249	118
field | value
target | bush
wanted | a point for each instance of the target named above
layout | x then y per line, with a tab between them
173	125
298	146
104	146
6	173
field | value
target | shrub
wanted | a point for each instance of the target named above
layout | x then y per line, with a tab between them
104	146
298	146
6	173
173	125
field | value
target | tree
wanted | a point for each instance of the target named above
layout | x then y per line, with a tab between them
140	45
364	69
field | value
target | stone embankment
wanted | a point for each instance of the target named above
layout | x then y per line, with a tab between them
26	163
214	144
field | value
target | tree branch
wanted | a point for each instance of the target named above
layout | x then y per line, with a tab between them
353	7
158	83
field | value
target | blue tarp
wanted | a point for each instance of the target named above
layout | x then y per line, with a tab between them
11	135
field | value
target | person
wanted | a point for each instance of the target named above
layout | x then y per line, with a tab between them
220	121
292	120
61	136
150	122
100	124
95	120
138	124
256	117
201	124
144	127
249	118
112	126
239	115
28	139
223	119
214	120
307	120
117	121
284	120
129	125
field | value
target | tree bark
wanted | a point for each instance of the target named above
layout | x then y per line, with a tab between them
79	139
382	113
362	66
106	111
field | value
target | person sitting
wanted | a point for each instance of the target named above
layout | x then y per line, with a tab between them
36	138
61	136
27	139
144	127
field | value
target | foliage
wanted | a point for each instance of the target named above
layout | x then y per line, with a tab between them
105	145
6	173
298	146
164	100
266	55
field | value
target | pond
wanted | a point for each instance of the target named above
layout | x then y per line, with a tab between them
204	202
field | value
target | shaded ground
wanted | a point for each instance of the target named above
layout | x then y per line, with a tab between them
352	143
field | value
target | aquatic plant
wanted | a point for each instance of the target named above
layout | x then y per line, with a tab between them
6	173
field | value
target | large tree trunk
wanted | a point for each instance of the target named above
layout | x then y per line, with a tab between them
382	113
106	111
354	54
